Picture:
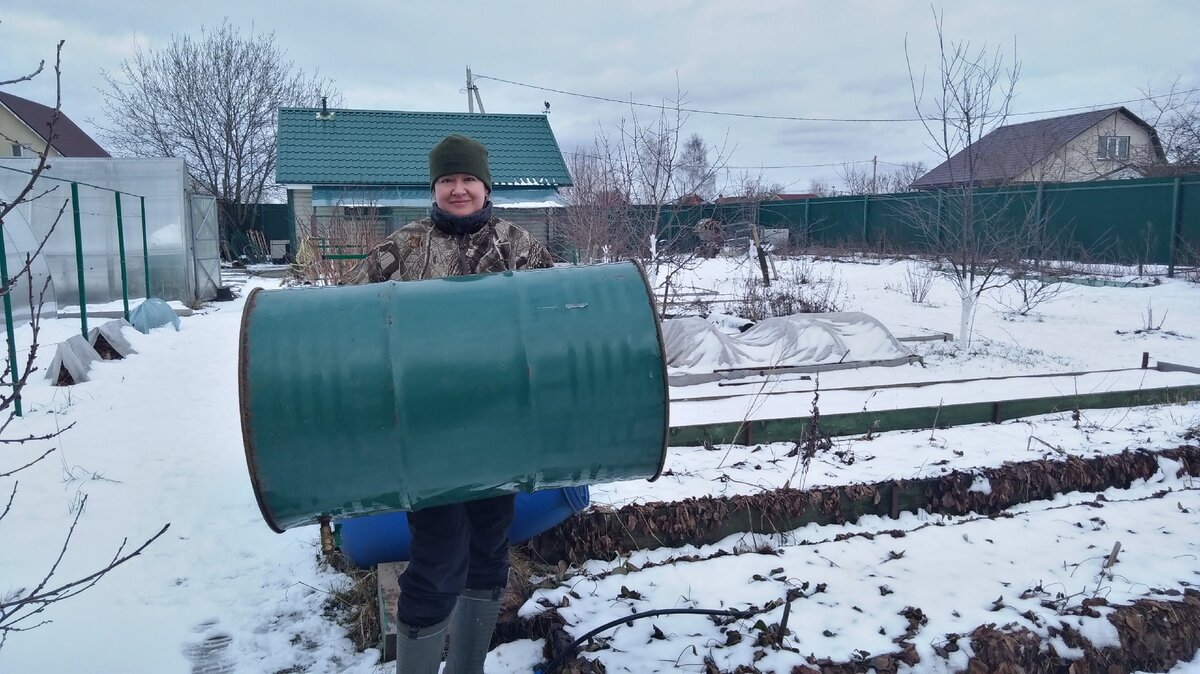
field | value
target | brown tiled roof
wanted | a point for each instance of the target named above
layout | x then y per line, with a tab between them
69	139
1009	151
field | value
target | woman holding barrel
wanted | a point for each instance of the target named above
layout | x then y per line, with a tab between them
458	567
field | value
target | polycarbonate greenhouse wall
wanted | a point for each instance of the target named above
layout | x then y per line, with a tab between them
181	232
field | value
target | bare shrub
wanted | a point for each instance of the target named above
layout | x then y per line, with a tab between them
318	260
799	290
918	280
1148	322
1032	289
1189	262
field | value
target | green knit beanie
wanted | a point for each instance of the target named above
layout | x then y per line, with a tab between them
459	154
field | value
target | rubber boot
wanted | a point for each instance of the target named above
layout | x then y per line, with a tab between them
471	629
419	649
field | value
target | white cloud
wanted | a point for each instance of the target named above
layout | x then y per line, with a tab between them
775	58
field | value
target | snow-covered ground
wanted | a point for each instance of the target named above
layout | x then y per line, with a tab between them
156	439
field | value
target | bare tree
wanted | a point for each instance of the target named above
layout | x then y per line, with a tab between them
597	211
972	95
21	608
821	187
755	188
744	223
1175	115
859	178
213	101
637	180
695	174
900	178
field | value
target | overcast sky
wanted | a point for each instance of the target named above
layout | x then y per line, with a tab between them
841	60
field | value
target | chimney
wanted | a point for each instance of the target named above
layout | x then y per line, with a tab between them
324	112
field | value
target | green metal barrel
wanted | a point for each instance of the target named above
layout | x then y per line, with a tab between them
400	396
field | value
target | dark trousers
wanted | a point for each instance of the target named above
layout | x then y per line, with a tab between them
454	547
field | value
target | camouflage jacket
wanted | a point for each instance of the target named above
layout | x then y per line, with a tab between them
419	250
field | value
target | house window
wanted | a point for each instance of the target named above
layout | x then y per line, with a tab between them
377	219
367	212
17	149
1113	147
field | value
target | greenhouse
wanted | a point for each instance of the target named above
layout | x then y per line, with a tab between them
112	228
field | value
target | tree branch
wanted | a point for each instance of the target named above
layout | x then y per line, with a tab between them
31	463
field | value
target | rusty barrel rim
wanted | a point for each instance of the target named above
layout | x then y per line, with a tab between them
245	413
662	352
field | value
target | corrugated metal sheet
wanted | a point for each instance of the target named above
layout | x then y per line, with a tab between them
1127	221
369	147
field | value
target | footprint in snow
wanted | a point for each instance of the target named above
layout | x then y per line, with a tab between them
209	655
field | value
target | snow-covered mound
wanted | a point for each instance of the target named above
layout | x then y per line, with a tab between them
696	346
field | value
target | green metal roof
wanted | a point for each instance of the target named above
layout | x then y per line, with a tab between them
379	147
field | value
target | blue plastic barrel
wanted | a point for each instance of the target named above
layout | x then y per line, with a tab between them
375	539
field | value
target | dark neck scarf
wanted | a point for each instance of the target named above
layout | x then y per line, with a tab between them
460	225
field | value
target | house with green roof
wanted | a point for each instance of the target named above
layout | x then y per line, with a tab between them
367	171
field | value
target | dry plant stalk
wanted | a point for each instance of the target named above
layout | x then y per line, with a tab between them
336	235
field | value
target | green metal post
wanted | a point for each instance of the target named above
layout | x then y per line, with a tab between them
1040	214
938	223
1176	195
79	260
121	250
291	220
807	230
866	220
8	324
145	249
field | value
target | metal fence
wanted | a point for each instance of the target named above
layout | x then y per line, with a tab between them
1149	220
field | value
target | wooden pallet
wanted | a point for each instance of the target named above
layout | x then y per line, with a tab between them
388	595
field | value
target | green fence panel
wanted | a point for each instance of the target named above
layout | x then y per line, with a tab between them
1188	243
275	222
787	215
891	221
1124	221
836	221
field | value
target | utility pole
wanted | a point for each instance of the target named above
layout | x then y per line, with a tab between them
874	170
473	90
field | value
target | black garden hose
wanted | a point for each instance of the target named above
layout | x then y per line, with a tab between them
555	663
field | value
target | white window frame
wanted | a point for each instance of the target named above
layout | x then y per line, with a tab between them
21	150
1113	147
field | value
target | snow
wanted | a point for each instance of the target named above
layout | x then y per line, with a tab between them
547	203
156	439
